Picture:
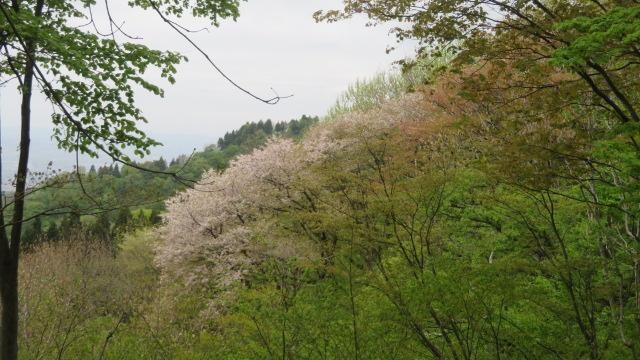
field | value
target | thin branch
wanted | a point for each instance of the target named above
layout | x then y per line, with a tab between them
180	30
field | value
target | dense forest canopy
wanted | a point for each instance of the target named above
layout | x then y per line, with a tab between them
482	203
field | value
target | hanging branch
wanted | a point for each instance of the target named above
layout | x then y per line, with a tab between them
180	30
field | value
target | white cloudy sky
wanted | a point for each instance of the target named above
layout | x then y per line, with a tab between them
274	44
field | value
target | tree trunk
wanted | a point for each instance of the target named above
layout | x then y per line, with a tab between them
11	246
9	296
9	283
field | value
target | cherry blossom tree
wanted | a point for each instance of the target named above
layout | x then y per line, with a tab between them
209	229
232	220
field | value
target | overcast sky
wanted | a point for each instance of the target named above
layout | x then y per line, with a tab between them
274	44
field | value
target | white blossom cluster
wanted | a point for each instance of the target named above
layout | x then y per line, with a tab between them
209	228
210	231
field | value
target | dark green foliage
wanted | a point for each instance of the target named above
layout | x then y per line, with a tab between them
115	171
254	134
33	233
154	217
71	223
52	231
100	230
123	220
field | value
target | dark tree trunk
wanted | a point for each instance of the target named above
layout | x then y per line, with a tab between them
9	278
11	246
9	295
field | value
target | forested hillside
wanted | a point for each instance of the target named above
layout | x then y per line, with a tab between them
481	202
132	197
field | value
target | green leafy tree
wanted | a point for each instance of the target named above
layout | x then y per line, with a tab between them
71	225
52	231
33	233
101	230
115	171
123	219
90	78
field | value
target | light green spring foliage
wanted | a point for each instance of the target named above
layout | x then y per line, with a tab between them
368	94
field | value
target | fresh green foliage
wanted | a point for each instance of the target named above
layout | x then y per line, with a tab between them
369	94
212	10
603	38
